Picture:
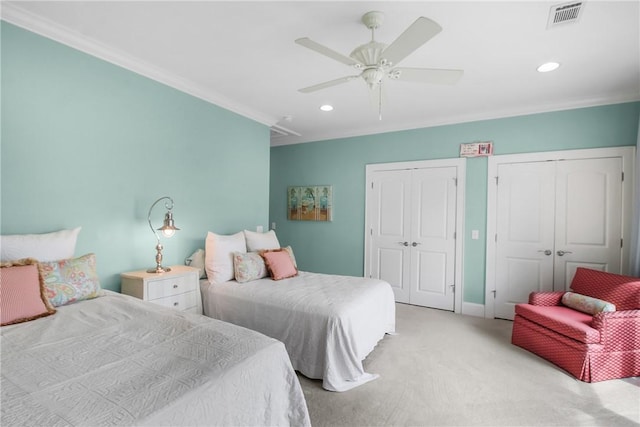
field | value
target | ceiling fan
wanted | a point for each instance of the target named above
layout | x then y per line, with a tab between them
375	60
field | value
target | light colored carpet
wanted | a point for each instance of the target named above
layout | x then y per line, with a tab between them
444	369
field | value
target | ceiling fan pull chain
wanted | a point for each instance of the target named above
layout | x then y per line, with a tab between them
380	101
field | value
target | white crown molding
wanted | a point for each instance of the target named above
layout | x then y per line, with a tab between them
11	12
15	15
453	120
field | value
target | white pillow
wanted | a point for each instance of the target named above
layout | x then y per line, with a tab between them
196	260
259	241
218	258
43	247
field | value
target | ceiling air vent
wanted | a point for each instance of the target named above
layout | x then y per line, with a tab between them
565	13
278	131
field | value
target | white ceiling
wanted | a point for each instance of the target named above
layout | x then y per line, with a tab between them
242	56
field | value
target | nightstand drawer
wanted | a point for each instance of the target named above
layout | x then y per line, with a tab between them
171	286
179	302
178	288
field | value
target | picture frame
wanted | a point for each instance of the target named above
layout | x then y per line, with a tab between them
310	203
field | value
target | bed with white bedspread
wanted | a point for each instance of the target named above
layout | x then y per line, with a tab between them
115	360
328	323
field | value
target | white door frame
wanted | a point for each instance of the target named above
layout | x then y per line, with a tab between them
460	164
626	153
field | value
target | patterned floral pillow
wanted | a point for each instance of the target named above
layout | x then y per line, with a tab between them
248	266
70	280
586	304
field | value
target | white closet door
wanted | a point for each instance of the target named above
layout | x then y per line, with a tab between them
588	217
390	215
525	233
552	217
413	222
433	244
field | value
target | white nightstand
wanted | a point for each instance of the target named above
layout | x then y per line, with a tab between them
178	288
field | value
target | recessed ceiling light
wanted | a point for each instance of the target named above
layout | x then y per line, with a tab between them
548	66
326	107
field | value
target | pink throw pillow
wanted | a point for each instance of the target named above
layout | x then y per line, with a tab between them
279	264
22	293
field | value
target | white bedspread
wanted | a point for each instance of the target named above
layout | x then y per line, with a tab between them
328	323
116	360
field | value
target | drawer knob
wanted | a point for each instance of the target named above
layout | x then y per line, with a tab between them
175	304
175	286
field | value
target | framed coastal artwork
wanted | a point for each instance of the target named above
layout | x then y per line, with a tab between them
310	203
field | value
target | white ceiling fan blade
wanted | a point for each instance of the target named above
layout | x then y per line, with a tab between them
327	84
418	33
308	43
429	75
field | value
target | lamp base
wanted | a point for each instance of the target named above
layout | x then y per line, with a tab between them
159	269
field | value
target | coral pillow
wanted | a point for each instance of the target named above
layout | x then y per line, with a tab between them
586	304
22	292
293	258
71	280
279	264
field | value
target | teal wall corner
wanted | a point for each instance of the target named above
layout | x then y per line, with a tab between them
86	143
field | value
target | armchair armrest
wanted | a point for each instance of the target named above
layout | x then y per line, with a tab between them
619	330
545	298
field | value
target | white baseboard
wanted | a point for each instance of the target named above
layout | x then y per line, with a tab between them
472	309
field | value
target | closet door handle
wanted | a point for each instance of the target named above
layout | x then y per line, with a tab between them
414	244
561	253
403	243
547	252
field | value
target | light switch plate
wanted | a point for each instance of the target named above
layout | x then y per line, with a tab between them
259	229
475	234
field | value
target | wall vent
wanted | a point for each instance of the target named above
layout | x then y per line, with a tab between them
565	13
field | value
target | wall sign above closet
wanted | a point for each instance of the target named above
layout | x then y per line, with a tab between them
476	149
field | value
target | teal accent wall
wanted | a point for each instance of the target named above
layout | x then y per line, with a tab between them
86	143
338	247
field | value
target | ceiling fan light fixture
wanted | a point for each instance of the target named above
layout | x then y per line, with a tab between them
373	76
326	107
548	66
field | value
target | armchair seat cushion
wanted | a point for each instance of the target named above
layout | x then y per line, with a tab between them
563	320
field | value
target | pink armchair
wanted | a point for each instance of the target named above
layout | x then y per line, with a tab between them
592	348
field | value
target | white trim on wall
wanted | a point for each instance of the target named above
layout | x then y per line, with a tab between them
626	153
472	309
634	255
15	15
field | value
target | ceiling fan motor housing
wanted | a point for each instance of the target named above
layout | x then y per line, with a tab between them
369	54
